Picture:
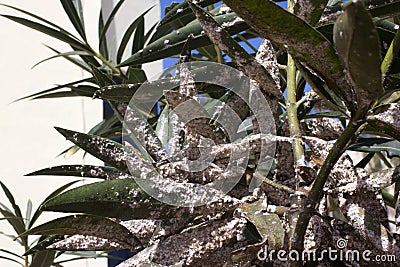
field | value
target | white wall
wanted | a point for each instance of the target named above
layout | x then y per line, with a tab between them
28	139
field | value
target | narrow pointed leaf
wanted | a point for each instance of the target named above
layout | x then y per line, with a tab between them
80	63
121	199
65	55
74	17
357	42
102	36
39	18
269	226
121	93
183	9
38	212
103	46
390	146
10	259
43	259
102	78
16	222
173	43
87	225
107	150
102	172
177	17
304	42
50	31
138	39
136	75
54	89
10	197
81	90
11	253
128	33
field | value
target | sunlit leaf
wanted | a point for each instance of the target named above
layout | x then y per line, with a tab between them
102	172
173	43
107	150
121	199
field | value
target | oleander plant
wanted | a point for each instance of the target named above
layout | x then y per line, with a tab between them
330	73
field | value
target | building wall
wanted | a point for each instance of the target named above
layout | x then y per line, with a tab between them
28	139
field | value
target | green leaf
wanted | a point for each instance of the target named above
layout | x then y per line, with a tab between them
102	35
120	92
54	89
385	9
104	149
80	90
90	225
138	39
39	18
183	10
328	114
58	34
390	146
10	197
43	243
334	210
81	64
121	199
43	259
74	17
16	222
136	75
11	253
102	172
101	78
357	43
64	55
38	212
128	33
103	46
391	54
177	17
269	226
173	43
304	42
223	39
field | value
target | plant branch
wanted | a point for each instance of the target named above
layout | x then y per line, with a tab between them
315	194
